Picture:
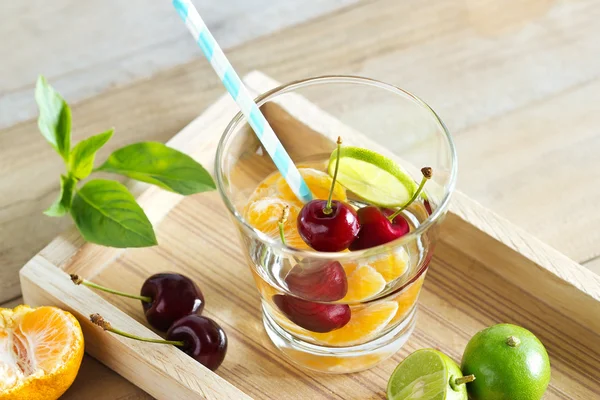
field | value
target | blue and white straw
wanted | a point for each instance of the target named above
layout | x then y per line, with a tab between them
242	97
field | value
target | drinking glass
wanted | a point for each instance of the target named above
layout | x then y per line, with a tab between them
377	315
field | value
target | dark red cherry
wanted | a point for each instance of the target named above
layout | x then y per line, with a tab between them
203	339
376	229
173	296
315	317
325	281
328	231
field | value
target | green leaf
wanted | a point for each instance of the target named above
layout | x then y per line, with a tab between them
62	204
82	157
106	213
54	121
160	165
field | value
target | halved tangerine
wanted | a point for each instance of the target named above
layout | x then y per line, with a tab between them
267	188
319	184
265	214
391	266
363	283
40	352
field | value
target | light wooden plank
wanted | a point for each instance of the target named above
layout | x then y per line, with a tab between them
442	52
537	167
118	42
165	372
490	263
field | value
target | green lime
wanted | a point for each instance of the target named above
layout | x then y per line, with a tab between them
373	177
509	362
427	374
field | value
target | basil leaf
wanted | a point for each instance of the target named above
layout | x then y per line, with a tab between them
63	203
82	156
106	213
54	121
160	165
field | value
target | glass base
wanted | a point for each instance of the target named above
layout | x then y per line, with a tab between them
339	360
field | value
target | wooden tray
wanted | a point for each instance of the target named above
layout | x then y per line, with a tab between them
485	271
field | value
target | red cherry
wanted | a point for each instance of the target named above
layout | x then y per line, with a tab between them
199	337
315	317
325	282
376	228
173	296
329	232
203	339
165	297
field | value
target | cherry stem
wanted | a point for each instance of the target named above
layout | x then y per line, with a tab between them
80	281
97	319
327	210
284	216
464	379
427	173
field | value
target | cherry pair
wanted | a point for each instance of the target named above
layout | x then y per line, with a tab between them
332	225
173	303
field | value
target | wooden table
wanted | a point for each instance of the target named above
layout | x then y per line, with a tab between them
517	82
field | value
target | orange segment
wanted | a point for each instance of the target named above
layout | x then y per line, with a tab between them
265	214
350	267
407	299
334	364
364	325
391	266
40	352
319	184
363	284
267	188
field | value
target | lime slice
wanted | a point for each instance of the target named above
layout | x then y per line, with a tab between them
426	374
373	177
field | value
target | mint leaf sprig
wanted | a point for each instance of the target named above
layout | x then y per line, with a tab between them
104	211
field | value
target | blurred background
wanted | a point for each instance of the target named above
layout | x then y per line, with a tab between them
516	81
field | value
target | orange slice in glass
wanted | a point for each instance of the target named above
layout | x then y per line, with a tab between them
319	183
40	352
391	266
363	283
264	215
407	299
364	325
267	188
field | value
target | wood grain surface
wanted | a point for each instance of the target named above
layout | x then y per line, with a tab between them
561	308
521	86
516	82
452	309
116	42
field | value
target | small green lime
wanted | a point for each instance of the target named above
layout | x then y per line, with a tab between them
509	362
426	374
373	177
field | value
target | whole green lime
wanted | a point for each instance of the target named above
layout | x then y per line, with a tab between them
509	363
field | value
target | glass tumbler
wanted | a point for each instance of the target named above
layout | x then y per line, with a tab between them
346	311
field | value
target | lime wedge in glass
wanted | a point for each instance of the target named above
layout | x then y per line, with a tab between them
373	177
426	374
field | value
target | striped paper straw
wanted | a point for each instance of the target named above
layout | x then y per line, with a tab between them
242	97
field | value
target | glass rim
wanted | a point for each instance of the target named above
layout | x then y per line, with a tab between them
324	79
